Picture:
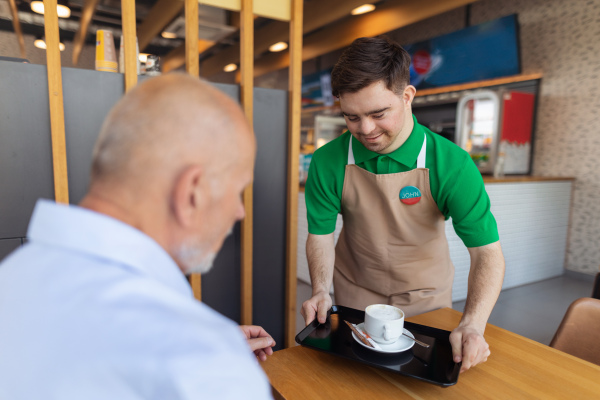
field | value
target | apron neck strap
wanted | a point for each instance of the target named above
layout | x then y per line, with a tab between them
420	158
350	152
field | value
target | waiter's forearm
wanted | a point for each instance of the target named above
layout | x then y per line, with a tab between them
485	282
320	252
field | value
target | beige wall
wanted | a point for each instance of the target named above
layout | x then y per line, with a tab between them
561	39
9	47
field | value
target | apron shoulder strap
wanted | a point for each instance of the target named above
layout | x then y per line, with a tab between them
350	152
421	157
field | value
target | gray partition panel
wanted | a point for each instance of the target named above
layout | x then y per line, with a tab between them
88	97
8	245
25	155
270	205
26	175
221	286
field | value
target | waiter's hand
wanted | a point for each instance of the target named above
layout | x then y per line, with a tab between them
317	306
259	340
468	346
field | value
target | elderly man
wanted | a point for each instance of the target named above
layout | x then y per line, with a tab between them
96	305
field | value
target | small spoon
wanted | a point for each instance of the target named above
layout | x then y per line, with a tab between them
416	341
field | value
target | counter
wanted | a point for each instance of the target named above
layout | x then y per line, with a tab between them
533	222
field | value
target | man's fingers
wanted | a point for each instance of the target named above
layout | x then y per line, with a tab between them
308	312
475	351
261	355
456	343
261	343
323	308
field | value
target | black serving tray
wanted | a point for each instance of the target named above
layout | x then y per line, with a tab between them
433	364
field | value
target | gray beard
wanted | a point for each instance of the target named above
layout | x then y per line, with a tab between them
195	260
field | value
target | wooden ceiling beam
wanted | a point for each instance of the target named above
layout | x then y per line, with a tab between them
316	15
163	12
388	17
89	8
17	26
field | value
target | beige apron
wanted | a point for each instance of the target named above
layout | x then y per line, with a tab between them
390	252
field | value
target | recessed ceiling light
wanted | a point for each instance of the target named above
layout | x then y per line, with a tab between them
278	47
41	44
143	57
230	68
169	35
365	8
62	8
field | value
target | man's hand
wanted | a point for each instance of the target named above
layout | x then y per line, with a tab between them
468	346
317	306
259	340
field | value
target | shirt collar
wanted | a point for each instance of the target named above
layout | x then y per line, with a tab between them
100	236
406	154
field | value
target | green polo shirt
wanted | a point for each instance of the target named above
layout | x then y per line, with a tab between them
456	184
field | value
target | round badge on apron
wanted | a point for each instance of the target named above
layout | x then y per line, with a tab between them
410	195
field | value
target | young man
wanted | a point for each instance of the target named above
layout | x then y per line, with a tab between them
395	183
96	304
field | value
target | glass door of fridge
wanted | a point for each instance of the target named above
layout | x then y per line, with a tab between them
477	120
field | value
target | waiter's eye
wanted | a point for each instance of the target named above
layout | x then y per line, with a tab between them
378	116
352	119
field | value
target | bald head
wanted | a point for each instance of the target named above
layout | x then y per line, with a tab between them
164	124
172	159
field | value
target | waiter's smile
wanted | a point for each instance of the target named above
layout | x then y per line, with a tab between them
373	139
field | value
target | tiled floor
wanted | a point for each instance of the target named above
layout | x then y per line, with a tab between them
533	310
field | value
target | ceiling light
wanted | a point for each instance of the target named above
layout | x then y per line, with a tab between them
41	44
230	68
169	35
143	57
278	47
365	8
62	8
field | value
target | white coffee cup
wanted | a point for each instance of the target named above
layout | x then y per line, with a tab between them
384	323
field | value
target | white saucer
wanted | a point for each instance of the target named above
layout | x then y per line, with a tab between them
402	344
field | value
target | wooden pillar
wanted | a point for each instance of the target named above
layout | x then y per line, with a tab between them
247	90
192	66
57	114
192	62
17	26
129	38
295	104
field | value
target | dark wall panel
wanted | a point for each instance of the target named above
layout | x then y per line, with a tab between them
88	97
25	155
270	186
221	285
7	246
26	175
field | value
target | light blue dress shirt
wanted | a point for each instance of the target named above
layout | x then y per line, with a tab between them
92	308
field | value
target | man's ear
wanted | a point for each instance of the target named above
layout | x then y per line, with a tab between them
187	195
409	95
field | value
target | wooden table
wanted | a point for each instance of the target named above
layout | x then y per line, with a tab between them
517	368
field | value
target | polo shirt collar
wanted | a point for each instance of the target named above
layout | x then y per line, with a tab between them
406	154
96	235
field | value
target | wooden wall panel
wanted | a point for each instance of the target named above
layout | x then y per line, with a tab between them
247	89
129	38
295	104
57	114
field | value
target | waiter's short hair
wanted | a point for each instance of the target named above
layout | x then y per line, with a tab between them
369	60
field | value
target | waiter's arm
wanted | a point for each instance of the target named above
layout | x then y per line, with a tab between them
485	282
320	252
